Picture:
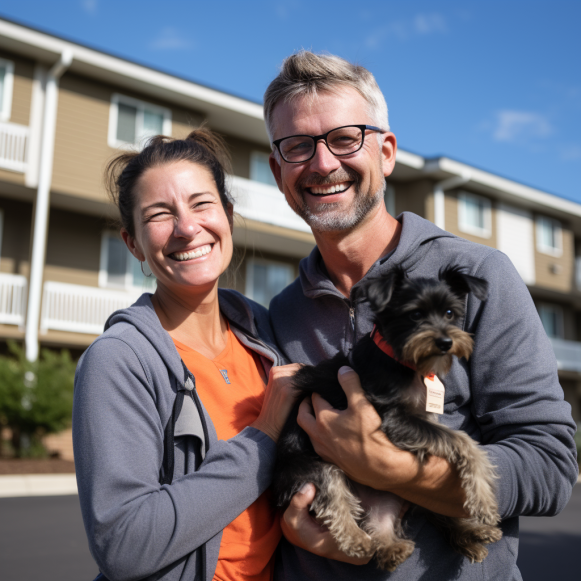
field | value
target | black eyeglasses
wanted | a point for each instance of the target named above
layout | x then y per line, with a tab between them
340	141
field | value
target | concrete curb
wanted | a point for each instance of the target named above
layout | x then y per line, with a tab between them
37	485
14	485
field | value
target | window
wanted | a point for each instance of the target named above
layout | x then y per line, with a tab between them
131	121
266	278
119	268
549	236
260	168
474	215
552	319
6	81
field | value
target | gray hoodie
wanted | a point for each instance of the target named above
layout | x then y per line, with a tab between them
125	388
507	396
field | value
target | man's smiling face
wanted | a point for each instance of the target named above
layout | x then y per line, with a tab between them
331	193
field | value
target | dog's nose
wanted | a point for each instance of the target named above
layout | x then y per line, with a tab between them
444	344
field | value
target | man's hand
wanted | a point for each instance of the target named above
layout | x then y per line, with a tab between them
302	530
352	440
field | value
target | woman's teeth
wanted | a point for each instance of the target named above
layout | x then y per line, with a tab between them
331	189
201	251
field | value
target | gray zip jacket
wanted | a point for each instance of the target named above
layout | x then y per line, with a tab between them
507	397
125	388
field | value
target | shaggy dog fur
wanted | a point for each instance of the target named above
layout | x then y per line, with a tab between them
419	318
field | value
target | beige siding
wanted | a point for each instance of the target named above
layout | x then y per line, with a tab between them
453	226
240	151
15	236
81	148
556	272
414	197
12	177
73	248
22	91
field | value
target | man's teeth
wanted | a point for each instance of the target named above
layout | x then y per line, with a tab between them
201	251
332	189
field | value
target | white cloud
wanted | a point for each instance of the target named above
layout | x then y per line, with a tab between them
571	152
420	25
430	23
171	39
518	126
89	6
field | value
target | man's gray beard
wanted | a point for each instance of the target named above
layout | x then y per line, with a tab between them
330	220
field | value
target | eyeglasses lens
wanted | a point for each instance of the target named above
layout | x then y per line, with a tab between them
342	141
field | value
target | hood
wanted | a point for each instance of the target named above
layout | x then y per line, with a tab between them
416	237
143	317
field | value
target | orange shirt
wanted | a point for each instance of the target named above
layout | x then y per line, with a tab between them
231	387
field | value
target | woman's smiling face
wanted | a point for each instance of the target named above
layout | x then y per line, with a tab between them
181	226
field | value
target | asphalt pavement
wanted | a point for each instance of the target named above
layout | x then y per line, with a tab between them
42	538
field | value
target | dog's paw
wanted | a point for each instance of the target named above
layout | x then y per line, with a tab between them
389	558
486	534
360	546
476	552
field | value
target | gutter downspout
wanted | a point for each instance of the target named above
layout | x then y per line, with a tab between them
439	200
42	205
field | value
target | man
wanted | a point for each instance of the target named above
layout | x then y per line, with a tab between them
332	150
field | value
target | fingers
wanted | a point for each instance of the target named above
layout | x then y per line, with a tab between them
351	385
303	498
306	416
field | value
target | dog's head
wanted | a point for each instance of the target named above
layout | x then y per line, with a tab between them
419	317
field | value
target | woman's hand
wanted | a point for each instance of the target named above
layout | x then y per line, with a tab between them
302	530
278	401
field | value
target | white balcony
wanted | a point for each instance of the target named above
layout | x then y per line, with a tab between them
568	354
13	146
80	309
13	299
264	203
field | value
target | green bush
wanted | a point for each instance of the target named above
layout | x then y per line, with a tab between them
36	399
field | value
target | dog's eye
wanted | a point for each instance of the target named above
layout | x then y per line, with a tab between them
416	316
449	314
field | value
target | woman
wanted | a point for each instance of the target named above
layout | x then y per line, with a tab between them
174	424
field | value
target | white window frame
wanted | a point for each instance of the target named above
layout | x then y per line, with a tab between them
103	267
116	98
255	156
464	226
541	247
560	318
249	289
6	110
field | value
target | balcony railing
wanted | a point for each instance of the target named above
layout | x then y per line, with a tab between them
13	146
568	354
79	309
12	299
264	203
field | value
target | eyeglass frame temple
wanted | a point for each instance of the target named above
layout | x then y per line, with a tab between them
323	136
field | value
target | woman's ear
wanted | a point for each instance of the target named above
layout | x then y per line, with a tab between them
230	215
131	244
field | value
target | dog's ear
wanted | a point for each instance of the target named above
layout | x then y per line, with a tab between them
380	290
461	284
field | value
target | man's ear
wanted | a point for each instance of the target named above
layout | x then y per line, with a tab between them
130	243
388	151
275	169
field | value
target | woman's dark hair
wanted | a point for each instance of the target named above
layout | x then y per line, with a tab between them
201	146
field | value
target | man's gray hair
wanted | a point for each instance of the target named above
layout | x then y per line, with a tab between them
307	73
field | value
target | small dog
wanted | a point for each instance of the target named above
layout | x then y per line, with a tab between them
416	335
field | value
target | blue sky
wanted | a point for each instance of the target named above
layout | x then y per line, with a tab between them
494	84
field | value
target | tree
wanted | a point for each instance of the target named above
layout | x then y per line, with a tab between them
36	398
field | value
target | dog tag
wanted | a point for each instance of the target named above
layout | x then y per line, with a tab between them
434	394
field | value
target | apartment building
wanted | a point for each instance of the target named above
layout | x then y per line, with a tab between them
65	110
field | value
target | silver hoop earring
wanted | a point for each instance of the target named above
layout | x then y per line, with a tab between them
150	273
